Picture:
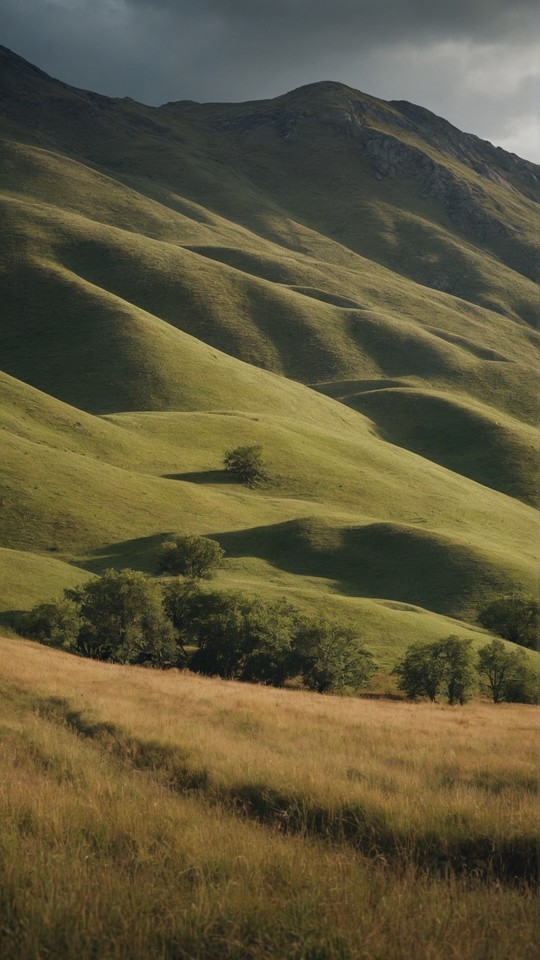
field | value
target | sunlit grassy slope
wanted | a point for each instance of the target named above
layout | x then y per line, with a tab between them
30	578
468	437
345	511
150	814
164	271
289	312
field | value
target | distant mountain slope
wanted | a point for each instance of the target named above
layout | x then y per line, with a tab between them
287	312
164	270
386	180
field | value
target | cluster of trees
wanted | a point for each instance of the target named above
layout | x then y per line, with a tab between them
118	617
128	617
449	668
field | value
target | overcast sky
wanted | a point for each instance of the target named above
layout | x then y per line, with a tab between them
475	62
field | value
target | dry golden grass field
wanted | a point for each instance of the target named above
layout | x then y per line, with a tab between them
164	815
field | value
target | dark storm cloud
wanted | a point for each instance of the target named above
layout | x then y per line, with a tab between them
388	19
469	60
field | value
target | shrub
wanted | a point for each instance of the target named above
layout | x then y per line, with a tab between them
193	557
514	617
56	624
246	463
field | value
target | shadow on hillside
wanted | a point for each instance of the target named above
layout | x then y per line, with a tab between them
462	439
138	554
379	560
202	476
383	561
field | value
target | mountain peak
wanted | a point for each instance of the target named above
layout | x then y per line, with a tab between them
321	86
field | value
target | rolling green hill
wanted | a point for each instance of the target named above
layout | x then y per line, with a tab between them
347	282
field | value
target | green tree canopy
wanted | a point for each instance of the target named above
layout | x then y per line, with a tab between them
246	463
193	557
419	672
457	668
240	638
127	617
505	674
183	602
444	666
123	619
56	624
514	617
330	656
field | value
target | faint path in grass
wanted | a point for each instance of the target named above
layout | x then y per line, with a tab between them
508	860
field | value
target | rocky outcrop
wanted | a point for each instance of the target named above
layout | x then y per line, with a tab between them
463	203
350	116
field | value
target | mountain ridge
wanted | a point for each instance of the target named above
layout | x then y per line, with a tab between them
409	109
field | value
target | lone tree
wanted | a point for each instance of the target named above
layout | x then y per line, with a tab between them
246	463
196	558
514	617
506	674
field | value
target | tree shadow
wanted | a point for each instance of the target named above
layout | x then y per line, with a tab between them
137	554
202	476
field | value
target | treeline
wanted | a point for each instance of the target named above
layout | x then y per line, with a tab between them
450	669
128	617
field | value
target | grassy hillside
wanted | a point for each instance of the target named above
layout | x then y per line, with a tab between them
295	314
468	438
164	271
153	814
29	579
344	510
